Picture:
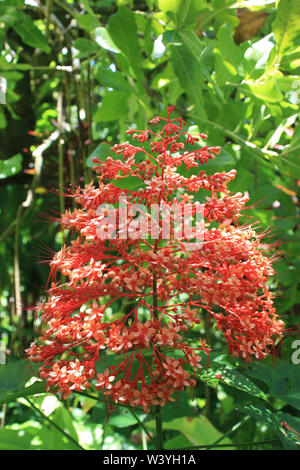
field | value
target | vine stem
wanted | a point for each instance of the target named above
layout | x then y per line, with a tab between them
158	417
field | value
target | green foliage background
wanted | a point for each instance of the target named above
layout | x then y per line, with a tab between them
77	75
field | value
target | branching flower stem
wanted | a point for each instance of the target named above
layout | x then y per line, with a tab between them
158	414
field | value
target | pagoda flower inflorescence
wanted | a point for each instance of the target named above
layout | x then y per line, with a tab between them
113	257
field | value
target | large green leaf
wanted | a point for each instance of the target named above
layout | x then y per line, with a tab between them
286	26
11	166
26	29
88	22
178	408
232	378
265	415
114	106
265	90
132	183
282	378
49	436
198	49
112	79
13	379
290	164
102	151
85	47
122	28
19	436
198	431
124	418
182	12
227	56
189	75
33	435
103	39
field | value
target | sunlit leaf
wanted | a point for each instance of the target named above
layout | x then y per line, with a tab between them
123	30
102	37
11	166
113	106
286	25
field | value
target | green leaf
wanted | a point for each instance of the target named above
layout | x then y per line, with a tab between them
123	419
189	75
234	378
123	30
177	442
34	389
294	433
111	79
88	22
283	380
198	48
32	435
13	377
20	437
209	377
132	183
99	414
85	47
49	437
286	26
28	32
182	12
102	38
114	106
258	53
198	430
87	6
227	56
265	90
180	407
290	164
265	415
11	166
102	151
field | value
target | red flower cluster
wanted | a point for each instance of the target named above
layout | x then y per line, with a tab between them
140	358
